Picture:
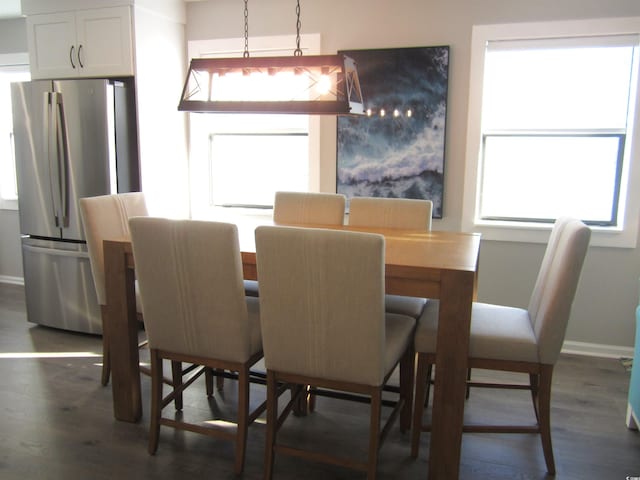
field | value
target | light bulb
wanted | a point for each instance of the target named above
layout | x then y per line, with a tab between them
324	84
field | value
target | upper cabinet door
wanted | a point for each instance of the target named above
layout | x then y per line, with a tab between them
51	40
85	43
104	42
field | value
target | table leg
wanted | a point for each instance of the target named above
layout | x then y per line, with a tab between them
456	293
123	333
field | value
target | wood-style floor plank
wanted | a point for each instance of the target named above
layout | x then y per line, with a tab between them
57	422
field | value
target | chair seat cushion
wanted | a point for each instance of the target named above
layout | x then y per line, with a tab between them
497	332
399	334
410	306
251	288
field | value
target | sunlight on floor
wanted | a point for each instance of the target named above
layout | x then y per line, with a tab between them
49	355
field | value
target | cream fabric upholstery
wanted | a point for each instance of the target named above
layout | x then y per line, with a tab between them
514	339
403	213
534	335
295	208
103	217
322	305
499	332
190	279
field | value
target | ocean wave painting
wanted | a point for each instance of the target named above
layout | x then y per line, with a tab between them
397	148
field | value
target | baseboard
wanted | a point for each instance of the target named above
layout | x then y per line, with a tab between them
597	350
11	280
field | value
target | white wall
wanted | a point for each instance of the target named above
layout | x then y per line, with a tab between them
608	293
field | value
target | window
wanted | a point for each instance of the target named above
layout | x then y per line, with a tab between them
551	129
238	162
13	68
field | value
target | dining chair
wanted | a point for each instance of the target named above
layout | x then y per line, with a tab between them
195	311
299	208
104	217
324	324
296	208
515	339
398	213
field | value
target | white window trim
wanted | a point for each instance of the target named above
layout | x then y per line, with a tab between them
8	59
625	235
310	45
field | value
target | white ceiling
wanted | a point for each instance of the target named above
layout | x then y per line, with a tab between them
10	9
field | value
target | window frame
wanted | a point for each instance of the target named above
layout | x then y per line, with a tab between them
11	60
624	234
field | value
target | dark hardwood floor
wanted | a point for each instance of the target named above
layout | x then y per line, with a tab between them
57	422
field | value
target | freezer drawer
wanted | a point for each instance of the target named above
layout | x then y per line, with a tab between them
59	287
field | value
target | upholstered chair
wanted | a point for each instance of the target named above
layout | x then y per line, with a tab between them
300	208
515	339
195	310
103	217
398	213
296	208
324	324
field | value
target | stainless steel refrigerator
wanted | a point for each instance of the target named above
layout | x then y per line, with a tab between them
73	139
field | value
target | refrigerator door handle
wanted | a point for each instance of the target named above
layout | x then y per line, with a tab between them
62	148
48	129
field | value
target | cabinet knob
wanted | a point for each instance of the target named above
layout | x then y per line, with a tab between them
71	50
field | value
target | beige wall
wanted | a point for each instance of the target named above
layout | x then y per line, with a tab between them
13	35
13	39
608	293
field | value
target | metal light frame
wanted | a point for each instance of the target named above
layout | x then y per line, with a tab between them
344	97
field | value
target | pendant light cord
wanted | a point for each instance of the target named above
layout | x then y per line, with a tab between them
298	51
246	29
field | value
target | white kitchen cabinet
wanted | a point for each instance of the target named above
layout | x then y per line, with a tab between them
82	43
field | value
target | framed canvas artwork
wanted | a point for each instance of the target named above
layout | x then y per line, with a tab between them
397	149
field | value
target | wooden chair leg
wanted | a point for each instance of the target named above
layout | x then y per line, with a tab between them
311	400
544	409
243	419
407	371
374	434
106	361
156	401
176	375
428	386
272	420
208	376
534	382
220	381
423	377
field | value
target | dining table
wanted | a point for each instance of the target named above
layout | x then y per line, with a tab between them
433	264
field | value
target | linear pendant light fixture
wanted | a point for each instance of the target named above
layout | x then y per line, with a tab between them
311	84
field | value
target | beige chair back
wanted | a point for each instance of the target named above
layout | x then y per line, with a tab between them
322	303
107	216
551	300
190	279
547	261
403	213
296	208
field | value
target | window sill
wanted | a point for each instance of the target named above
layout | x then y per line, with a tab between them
8	204
612	237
